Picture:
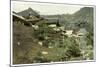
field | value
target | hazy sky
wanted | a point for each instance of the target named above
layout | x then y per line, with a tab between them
45	8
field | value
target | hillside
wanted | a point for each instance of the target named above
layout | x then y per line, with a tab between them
85	13
52	44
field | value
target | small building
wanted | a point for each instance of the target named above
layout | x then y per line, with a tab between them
29	13
29	17
69	33
82	32
19	19
52	22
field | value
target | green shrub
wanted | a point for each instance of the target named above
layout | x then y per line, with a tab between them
72	49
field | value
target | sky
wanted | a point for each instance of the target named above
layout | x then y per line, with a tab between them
45	8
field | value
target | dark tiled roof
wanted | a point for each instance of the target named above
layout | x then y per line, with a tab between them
28	12
18	16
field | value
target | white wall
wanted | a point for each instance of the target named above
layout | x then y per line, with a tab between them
5	33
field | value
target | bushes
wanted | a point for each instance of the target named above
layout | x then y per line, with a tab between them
39	58
72	48
89	38
65	47
73	51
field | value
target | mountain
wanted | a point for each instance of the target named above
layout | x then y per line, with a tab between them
82	18
84	14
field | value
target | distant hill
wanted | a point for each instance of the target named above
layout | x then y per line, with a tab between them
82	18
85	13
